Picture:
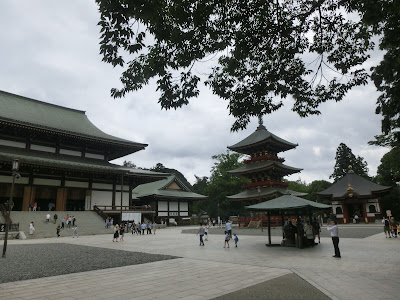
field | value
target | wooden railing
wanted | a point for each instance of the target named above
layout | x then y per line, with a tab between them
100	212
124	208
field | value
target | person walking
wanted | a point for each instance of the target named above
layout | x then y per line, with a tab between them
148	227
58	230
334	230
31	228
48	218
116	233
201	233
143	227
121	232
386	227
206	232
393	227
35	206
55	217
228	227
75	231
63	223
154	227
317	229
236	239
227	238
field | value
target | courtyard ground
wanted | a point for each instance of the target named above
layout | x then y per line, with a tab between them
171	265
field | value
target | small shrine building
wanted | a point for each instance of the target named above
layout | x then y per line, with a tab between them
64	158
354	195
169	198
264	168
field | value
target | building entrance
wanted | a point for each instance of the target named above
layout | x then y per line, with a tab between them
76	199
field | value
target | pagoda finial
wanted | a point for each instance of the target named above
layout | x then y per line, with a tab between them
260	121
350	169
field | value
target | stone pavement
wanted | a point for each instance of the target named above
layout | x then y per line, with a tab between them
368	269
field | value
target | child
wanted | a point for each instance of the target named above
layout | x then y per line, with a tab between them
75	231
206	233
236	239
227	238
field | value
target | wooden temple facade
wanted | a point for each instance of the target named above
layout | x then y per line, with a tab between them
169	197
354	195
64	158
264	168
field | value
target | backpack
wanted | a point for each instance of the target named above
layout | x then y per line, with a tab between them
386	222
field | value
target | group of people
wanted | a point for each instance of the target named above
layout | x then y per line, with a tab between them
390	227
135	228
307	231
203	233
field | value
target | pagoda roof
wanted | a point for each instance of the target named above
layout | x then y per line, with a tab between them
287	202
261	137
160	189
89	165
264	192
353	184
264	165
23	111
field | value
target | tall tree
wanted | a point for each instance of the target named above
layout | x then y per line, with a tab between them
223	184
129	164
263	49
389	170
344	159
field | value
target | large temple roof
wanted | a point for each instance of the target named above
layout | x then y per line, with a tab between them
160	189
28	112
353	184
264	165
49	160
260	138
264	192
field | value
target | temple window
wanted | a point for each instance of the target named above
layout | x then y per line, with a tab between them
372	208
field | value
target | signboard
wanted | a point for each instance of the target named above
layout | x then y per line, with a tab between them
389	213
173	213
2	227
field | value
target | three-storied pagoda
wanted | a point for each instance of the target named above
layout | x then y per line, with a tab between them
264	168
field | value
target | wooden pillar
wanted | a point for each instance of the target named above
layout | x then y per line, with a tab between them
113	194
89	194
29	197
61	201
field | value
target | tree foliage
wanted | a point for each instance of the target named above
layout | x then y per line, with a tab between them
266	50
389	170
311	189
344	159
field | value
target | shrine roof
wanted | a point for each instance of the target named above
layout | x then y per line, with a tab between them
160	189
286	202
266	191
260	137
28	112
353	183
261	165
72	163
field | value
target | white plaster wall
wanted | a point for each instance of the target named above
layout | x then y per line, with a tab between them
104	186
12	144
93	155
101	198
78	184
125	199
162	205
43	148
183	206
8	179
41	181
173	206
70	152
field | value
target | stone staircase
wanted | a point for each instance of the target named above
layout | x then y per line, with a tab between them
88	223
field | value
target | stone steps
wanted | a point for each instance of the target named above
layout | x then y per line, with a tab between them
88	223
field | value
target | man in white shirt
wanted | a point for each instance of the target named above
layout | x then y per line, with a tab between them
334	230
228	227
48	218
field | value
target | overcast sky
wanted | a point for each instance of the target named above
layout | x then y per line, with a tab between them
50	52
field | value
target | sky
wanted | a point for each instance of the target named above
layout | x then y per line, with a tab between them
50	52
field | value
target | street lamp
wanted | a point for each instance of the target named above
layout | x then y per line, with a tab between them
15	168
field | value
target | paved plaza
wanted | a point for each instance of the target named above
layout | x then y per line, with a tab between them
368	269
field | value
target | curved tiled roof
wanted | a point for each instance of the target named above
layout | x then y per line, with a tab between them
261	165
359	186
264	192
159	188
260	137
37	114
286	202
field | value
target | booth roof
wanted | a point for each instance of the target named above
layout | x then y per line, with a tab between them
286	202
